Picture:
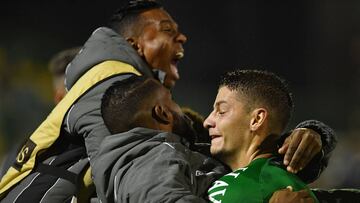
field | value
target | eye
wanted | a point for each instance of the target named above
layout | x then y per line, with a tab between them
168	26
168	30
221	109
221	112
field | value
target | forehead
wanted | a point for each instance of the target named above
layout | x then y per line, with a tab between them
225	94
157	15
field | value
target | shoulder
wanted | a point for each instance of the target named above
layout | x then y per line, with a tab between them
273	173
272	178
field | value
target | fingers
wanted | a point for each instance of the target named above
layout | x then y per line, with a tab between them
288	195
285	145
307	157
303	196
283	195
290	188
283	148
303	193
301	154
317	142
305	144
294	142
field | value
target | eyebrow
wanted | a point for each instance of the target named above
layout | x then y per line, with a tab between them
168	21
218	103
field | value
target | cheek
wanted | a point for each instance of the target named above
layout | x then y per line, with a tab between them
225	124
157	53
230	129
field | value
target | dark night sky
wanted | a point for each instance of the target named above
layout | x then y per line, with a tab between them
314	45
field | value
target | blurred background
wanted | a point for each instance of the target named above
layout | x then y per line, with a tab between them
315	45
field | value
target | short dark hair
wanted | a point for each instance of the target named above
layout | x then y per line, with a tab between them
58	64
59	61
123	99
127	19
262	88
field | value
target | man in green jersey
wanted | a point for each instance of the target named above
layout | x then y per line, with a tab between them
251	110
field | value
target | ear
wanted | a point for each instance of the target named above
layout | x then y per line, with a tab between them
258	117
134	43
162	115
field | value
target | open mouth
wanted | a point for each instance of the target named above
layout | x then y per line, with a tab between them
179	55
174	69
174	62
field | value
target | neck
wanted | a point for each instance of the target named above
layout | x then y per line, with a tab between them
254	151
246	158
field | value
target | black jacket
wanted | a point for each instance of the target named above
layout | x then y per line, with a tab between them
145	165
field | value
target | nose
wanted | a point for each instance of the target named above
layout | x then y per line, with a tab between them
181	38
209	122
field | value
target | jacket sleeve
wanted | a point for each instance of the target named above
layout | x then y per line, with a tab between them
337	195
84	118
329	140
163	175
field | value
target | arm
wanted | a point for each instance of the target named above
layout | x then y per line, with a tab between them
329	140
288	195
84	118
162	175
131	168
302	149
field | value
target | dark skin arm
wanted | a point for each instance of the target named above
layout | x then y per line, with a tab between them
287	195
299	148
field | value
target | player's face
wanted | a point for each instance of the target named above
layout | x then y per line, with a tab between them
228	125
161	43
181	124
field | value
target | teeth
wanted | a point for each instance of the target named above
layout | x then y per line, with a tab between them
179	55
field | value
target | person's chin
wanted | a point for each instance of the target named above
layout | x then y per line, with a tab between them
216	142
214	151
169	83
216	146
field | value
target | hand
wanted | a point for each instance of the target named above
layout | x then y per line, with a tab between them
299	148
287	195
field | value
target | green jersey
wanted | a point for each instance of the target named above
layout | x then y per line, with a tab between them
254	183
